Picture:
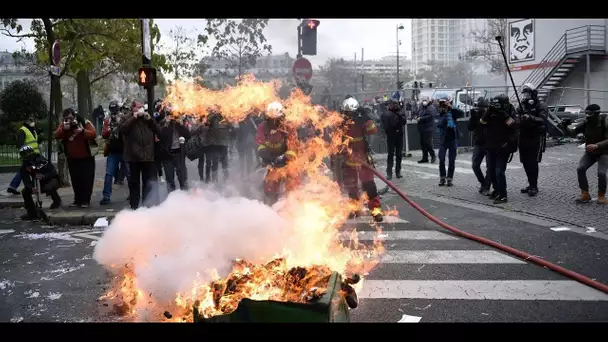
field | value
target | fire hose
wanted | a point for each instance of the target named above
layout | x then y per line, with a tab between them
510	250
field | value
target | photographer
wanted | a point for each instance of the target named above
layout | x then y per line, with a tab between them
171	129
76	133
113	151
36	166
139	131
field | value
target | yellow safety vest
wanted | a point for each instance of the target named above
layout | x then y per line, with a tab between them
31	139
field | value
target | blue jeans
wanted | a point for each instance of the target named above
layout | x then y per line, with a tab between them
16	181
450	148
112	162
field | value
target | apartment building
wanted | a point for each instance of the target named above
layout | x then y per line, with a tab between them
442	40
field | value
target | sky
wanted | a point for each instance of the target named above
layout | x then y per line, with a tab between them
335	37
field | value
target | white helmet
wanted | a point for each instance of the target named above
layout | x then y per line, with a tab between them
528	87
275	110
350	105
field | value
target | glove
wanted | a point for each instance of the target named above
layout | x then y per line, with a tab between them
279	161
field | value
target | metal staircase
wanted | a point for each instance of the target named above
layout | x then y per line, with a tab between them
564	56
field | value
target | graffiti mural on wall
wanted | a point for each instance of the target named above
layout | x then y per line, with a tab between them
521	41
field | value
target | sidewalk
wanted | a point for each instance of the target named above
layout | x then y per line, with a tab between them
66	215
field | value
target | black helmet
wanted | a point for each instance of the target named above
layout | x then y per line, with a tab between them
500	101
25	151
482	102
592	110
114	106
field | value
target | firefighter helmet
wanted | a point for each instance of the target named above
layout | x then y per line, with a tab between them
275	110
350	105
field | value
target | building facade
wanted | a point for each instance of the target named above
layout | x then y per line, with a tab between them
563	58
10	71
442	40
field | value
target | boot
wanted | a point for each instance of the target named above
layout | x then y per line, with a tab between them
601	198
585	197
532	191
450	182
433	159
525	190
441	182
423	161
56	200
500	199
389	176
354	214
398	175
493	195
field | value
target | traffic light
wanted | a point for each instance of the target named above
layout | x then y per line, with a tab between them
400	85
146	77
309	37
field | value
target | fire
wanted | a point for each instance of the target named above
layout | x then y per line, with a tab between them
315	213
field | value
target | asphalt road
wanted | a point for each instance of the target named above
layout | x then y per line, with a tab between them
47	274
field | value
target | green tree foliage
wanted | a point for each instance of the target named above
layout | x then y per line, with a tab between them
20	99
239	42
91	49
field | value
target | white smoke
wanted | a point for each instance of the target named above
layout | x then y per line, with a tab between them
188	235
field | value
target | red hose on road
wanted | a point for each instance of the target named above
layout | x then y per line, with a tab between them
523	255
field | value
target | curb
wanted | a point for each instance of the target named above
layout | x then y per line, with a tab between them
77	219
11	204
9	168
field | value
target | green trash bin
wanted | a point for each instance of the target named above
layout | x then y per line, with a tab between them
331	307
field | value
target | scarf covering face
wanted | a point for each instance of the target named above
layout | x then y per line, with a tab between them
451	123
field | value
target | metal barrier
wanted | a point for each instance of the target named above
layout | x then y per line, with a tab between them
561	96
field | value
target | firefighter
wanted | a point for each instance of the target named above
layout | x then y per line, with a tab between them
273	148
358	127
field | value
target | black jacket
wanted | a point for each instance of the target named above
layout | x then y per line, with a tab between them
532	123
166	135
500	130
393	123
38	164
476	127
596	133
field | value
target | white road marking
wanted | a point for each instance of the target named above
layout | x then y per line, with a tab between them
6	231
367	219
560	229
401	235
448	257
481	290
409	319
88	236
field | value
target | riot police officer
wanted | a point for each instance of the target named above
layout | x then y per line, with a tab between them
533	115
500	131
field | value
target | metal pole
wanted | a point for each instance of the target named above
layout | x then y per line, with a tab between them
355	70
362	78
588	77
49	139
299	29
397	34
146	54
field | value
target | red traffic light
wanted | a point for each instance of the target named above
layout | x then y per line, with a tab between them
312	24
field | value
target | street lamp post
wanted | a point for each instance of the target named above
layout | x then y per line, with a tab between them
399	27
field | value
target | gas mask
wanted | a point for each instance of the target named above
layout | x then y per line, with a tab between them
592	116
424	103
31	123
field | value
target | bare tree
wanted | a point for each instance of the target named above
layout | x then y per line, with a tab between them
489	50
240	43
181	53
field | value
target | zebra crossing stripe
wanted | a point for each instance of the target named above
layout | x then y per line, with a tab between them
399	235
566	290
88	236
448	257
